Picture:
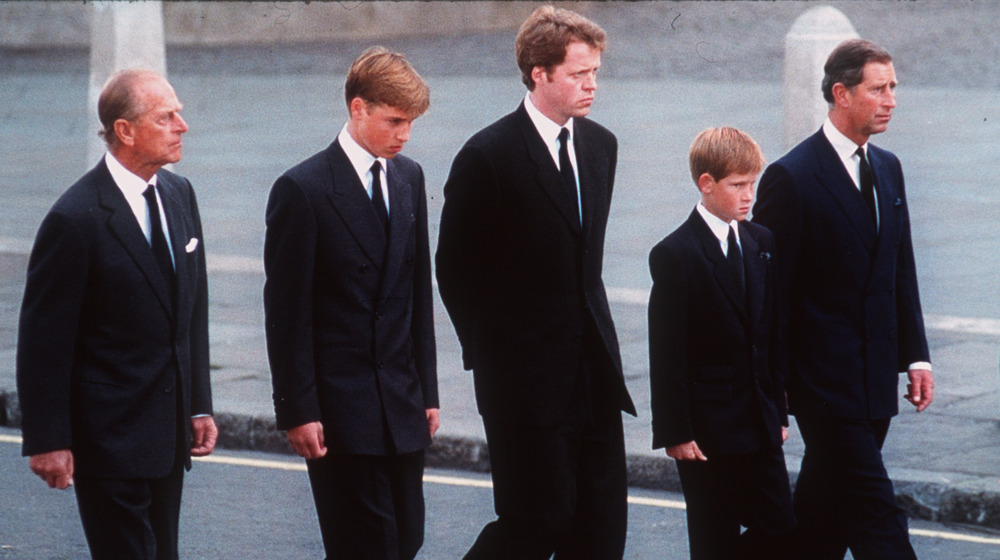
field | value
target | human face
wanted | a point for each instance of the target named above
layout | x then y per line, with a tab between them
380	129
153	139
868	106
568	90
729	199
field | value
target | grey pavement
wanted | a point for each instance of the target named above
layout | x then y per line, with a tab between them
672	70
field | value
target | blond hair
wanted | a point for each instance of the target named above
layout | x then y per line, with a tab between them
722	151
382	77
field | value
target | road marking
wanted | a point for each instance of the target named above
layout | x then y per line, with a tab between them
258	463
478	483
954	536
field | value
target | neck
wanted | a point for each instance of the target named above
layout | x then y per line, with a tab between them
133	164
553	116
841	124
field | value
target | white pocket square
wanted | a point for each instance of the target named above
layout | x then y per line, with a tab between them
192	245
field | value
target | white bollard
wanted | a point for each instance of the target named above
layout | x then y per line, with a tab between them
122	35
808	43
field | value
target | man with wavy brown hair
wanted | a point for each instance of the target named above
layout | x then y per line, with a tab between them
349	317
519	265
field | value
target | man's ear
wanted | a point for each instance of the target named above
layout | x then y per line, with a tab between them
124	130
538	74
841	94
357	107
706	183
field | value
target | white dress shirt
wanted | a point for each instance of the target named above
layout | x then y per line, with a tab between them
132	186
720	229
549	131
362	162
846	148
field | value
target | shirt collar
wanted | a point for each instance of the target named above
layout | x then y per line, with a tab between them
844	146
129	183
361	160
719	228
548	128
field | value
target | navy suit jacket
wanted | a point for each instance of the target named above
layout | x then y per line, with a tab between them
102	350
349	314
849	295
713	368
519	275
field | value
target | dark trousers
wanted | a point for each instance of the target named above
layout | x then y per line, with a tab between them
557	490
369	507
843	497
131	519
729	492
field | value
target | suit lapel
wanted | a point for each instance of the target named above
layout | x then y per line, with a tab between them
351	202
124	227
401	222
888	200
179	228
547	174
588	172
712	250
756	271
831	174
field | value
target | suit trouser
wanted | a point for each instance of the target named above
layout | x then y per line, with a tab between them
557	489
131	519
369	507
728	492
843	497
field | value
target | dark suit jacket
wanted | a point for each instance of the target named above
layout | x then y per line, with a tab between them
849	292
712	374
350	325
519	276
102	352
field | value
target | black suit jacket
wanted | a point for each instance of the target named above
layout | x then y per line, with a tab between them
849	292
102	351
350	325
713	374
520	277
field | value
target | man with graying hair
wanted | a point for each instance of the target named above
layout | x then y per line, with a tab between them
112	358
850	309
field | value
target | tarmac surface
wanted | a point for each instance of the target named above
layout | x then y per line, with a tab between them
673	69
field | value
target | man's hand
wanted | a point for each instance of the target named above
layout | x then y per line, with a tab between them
686	452
784	434
307	440
54	467
920	389
433	420
204	434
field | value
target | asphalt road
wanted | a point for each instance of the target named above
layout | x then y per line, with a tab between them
251	505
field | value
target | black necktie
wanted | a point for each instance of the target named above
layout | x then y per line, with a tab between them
377	200
867	184
566	168
158	241
735	257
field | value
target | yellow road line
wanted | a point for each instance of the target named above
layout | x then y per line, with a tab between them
478	483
